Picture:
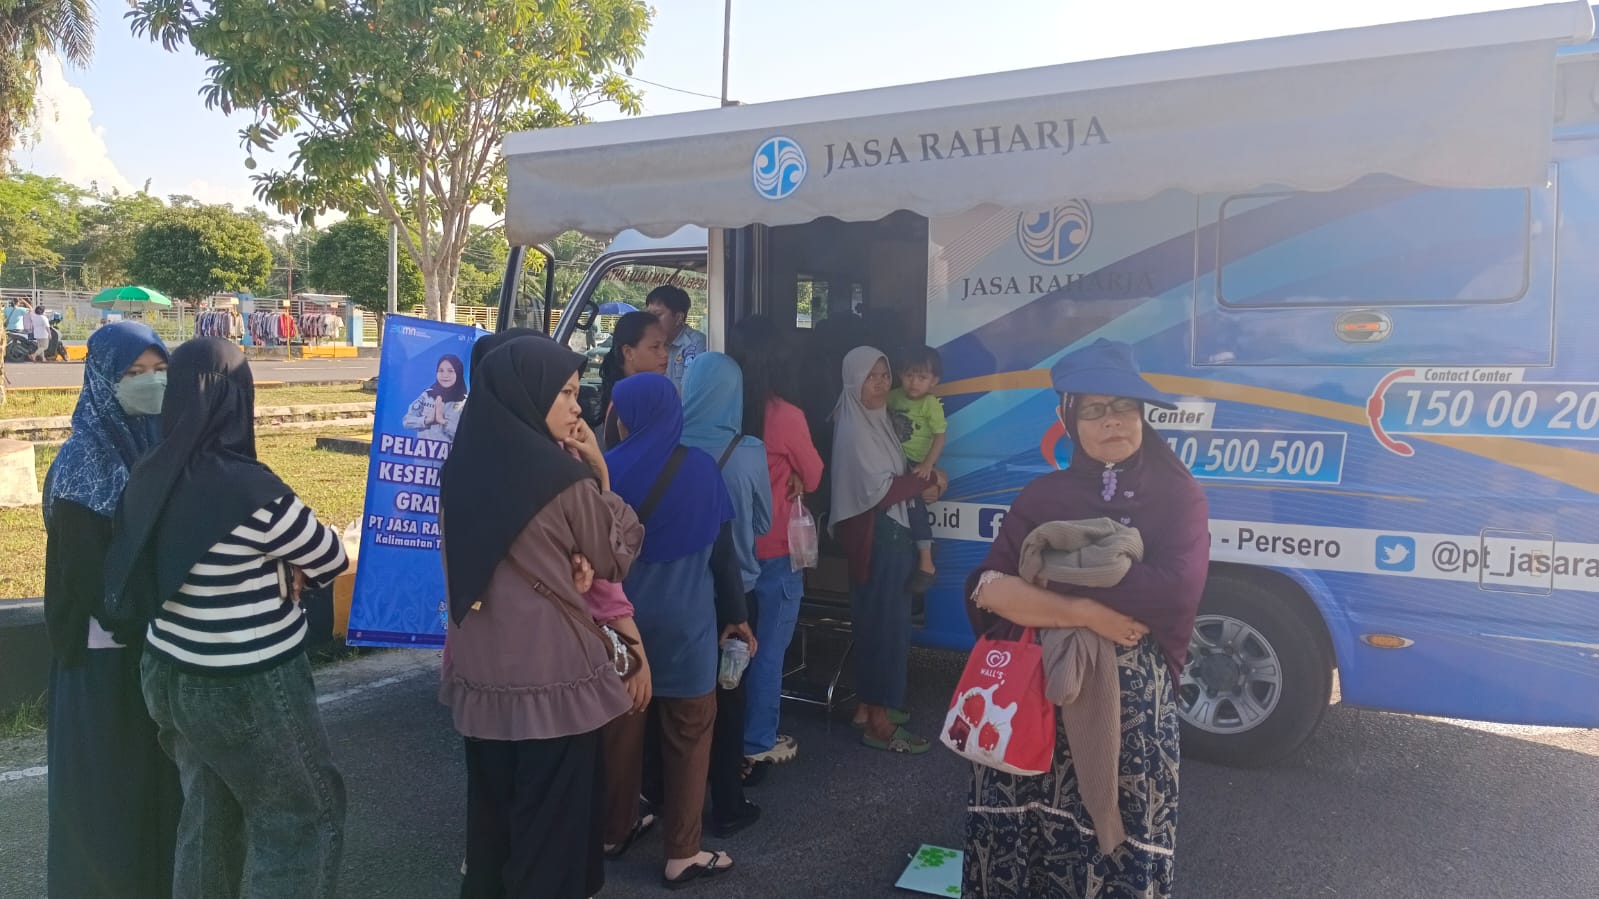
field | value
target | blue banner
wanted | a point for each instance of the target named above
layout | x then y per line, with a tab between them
422	385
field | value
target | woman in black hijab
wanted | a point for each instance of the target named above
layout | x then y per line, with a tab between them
211	549
528	675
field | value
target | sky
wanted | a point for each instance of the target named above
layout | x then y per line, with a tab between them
134	114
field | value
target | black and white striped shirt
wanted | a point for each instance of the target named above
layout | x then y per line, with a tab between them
232	615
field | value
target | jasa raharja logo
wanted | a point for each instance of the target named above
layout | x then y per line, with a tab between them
778	168
1057	235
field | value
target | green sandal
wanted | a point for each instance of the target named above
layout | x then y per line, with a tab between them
896	717
903	741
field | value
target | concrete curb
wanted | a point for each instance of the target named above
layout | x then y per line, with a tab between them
58	427
25	649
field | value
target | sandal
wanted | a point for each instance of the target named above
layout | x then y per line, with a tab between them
694	873
896	717
903	741
640	828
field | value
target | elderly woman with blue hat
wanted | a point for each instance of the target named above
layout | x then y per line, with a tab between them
1036	836
114	794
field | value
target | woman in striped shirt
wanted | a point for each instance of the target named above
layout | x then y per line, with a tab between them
215	549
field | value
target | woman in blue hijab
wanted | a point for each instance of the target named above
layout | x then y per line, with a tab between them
713	416
684	583
114	795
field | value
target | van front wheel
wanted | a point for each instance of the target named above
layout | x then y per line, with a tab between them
1257	680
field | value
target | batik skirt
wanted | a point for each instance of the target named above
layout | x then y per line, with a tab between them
1032	837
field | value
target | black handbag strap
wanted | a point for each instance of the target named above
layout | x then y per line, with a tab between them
663	481
728	453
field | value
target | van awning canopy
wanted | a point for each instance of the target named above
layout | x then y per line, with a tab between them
1465	101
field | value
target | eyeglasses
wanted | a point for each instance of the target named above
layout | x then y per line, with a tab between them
1119	406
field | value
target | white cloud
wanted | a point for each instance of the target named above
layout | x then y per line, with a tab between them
67	143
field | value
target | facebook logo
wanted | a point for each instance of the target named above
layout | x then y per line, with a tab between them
989	521
1395	553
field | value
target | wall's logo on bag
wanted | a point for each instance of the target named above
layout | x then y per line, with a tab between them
1055	236
997	658
779	167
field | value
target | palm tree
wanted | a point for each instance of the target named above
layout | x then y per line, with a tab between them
29	28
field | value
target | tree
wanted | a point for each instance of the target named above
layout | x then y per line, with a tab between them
29	28
352	258
38	217
398	108
104	251
191	253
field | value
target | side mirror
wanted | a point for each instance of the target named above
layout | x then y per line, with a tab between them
588	396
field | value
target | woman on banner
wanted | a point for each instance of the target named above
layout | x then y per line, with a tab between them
870	519
638	345
685	582
114	795
1032	836
529	682
437	412
216	548
713	412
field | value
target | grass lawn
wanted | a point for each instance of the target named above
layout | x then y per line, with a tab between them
43	403
334	484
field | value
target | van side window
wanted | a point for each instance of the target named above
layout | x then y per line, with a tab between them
1362	246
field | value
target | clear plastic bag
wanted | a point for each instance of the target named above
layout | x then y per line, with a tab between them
802	538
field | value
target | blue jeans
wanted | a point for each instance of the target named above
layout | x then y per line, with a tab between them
263	805
777	602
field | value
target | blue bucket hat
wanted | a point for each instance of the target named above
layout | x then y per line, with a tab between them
1105	367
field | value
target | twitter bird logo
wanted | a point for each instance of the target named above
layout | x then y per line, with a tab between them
1396	553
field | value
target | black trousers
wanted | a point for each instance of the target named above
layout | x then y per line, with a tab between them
533	818
727	745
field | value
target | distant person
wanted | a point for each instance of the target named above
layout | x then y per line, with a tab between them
437	412
114	797
37	324
15	310
638	345
216	548
671	304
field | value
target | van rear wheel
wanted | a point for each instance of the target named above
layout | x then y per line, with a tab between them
1258	678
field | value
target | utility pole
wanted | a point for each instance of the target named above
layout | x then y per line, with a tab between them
394	268
727	43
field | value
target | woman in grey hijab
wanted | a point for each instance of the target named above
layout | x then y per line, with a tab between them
870	520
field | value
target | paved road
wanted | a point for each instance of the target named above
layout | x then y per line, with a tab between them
1381	806
70	374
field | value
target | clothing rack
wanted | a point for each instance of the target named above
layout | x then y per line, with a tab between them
272	328
218	323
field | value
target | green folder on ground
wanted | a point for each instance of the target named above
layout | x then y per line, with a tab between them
933	870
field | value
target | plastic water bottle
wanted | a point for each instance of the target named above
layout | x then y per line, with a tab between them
735	658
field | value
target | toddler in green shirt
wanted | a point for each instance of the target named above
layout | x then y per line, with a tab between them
918	418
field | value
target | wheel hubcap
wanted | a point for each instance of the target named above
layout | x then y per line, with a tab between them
1233	680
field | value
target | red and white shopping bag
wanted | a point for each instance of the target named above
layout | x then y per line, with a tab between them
1000	716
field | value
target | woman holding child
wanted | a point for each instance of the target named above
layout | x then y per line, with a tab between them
870	518
1036	836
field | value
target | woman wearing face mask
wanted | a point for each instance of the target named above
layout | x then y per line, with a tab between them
114	795
210	548
437	412
637	345
870	519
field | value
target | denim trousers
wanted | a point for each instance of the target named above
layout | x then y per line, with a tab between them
263	804
778	592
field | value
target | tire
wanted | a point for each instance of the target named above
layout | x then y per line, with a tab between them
1233	711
